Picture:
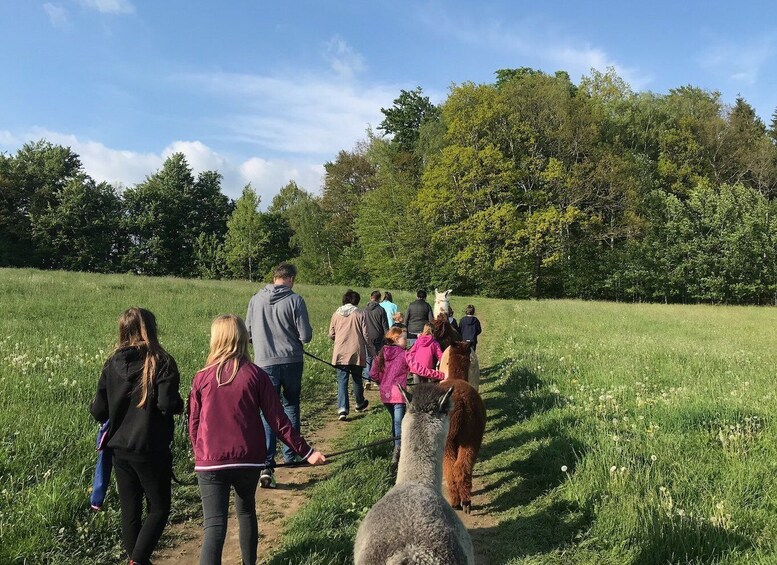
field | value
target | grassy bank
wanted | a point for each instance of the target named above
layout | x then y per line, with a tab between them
617	433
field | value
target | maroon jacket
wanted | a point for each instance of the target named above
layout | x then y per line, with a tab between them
225	425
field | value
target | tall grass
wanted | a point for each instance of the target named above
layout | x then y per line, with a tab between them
617	433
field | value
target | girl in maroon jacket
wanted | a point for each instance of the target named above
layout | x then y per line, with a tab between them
227	399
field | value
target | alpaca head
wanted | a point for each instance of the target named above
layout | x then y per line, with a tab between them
428	412
441	302
458	360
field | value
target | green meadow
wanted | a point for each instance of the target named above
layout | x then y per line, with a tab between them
617	433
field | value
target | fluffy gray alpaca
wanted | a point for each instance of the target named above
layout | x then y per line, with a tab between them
413	524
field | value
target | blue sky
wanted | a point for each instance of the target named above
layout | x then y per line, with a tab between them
266	92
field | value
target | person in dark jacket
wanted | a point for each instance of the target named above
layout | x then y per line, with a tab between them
377	326
138	394
470	327
278	326
227	436
418	313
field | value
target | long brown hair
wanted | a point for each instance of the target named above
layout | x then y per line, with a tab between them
137	328
228	341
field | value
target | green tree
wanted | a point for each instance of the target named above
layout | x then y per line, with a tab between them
246	237
81	229
410	110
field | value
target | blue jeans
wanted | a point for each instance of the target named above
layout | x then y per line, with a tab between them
287	381
397	412
355	372
102	471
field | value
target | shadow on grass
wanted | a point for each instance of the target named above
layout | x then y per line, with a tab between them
675	540
542	532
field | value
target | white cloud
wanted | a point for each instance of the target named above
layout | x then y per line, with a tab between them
110	6
296	115
739	62
536	41
58	16
127	168
342	58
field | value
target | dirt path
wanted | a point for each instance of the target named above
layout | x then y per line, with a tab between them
274	506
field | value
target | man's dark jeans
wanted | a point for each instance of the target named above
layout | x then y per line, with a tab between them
287	380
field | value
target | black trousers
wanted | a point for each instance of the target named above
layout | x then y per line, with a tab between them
136	479
214	489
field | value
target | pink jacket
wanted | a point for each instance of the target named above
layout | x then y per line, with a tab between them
390	369
225	424
426	351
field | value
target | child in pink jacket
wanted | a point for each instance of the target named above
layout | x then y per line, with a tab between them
390	369
425	352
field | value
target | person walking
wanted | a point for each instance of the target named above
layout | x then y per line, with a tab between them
227	436
348	329
377	326
390	369
388	305
278	325
418	313
470	326
137	395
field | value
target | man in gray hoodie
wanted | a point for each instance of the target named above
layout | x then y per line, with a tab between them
278	324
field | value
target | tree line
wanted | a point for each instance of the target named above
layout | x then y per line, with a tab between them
530	186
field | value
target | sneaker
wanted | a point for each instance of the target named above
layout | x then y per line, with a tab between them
342	416
363	407
267	479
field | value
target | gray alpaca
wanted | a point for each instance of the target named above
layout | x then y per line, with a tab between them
413	524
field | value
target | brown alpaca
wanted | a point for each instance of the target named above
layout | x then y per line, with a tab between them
468	423
443	332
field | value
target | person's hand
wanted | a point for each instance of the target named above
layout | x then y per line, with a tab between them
316	458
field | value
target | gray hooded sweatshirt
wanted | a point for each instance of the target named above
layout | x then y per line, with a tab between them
278	324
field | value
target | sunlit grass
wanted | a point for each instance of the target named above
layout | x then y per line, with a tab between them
662	416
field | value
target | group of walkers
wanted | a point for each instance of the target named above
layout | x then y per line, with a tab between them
238	409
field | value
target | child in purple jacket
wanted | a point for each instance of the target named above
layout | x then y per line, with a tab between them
390	369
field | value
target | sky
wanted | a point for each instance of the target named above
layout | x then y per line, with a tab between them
267	92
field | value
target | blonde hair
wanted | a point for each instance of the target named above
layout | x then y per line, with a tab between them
398	317
427	329
137	328
228	342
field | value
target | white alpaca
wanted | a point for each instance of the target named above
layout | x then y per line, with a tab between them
473	377
441	302
413	524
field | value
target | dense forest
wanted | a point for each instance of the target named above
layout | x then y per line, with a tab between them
531	186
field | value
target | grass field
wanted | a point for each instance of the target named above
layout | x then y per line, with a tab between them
617	433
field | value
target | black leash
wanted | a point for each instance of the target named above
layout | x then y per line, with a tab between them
369	380
300	463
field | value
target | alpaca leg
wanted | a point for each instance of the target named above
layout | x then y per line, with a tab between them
448	464
462	474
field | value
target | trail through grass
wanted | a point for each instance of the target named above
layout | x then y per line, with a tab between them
617	433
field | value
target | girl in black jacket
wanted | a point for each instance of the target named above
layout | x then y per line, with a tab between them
138	393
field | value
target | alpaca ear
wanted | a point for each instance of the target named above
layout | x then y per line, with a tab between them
436	291
445	401
405	393
448	292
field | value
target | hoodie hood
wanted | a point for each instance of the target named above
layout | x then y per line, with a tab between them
128	362
346	310
391	352
424	340
274	293
371	305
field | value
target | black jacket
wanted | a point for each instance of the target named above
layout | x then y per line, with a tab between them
377	323
418	313
137	431
470	328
